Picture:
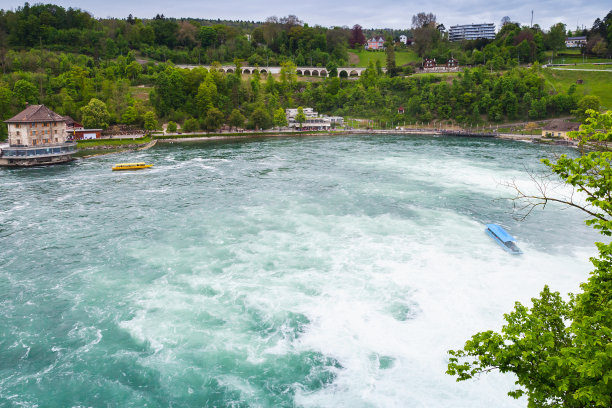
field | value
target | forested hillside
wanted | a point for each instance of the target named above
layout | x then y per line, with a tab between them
67	59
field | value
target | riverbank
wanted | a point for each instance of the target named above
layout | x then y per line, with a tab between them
402	131
99	148
102	150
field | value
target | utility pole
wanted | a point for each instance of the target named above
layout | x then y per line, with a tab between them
531	26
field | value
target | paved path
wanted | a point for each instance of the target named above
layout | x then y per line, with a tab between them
583	69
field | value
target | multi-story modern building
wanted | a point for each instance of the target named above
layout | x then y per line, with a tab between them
36	135
472	32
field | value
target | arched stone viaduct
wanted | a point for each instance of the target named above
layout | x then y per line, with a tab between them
301	71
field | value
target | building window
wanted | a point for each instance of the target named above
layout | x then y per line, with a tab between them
56	140
56	131
17	133
17	125
18	141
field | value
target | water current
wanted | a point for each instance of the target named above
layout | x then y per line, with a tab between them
310	272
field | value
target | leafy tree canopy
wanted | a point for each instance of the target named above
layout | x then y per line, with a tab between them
560	350
95	114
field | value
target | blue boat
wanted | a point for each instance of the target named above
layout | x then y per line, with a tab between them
503	239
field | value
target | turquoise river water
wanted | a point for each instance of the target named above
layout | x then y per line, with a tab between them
313	272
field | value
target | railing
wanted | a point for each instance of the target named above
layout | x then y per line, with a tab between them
44	145
58	150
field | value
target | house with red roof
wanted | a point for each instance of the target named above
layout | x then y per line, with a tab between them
375	43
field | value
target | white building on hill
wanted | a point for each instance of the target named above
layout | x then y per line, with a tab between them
314	121
472	32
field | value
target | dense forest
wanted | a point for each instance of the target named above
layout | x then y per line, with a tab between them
68	60
52	27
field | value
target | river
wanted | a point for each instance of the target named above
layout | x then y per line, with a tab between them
314	272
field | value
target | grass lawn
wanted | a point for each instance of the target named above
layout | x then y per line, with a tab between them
567	51
595	83
588	66
572	56
111	142
140	92
401	57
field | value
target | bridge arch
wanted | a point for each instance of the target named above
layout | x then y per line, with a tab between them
307	72
354	73
263	71
343	73
299	72
323	72
246	71
315	72
229	70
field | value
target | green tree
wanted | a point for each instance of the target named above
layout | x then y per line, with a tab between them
95	114
260	118
390	58
25	91
587	102
236	119
300	117
207	36
169	92
207	95
190	125
133	70
214	119
425	33
560	351
280	118
332	69
600	48
150	121
555	39
288	74
6	95
130	116
171	128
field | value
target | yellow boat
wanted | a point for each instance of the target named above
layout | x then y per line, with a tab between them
131	166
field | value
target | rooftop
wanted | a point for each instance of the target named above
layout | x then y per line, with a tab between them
36	113
561	126
69	121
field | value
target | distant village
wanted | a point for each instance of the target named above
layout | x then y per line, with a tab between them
466	32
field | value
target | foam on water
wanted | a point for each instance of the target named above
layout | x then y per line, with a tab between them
308	272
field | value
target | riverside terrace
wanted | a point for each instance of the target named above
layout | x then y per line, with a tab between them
302	71
37	135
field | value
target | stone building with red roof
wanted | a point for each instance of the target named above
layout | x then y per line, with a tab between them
36	135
